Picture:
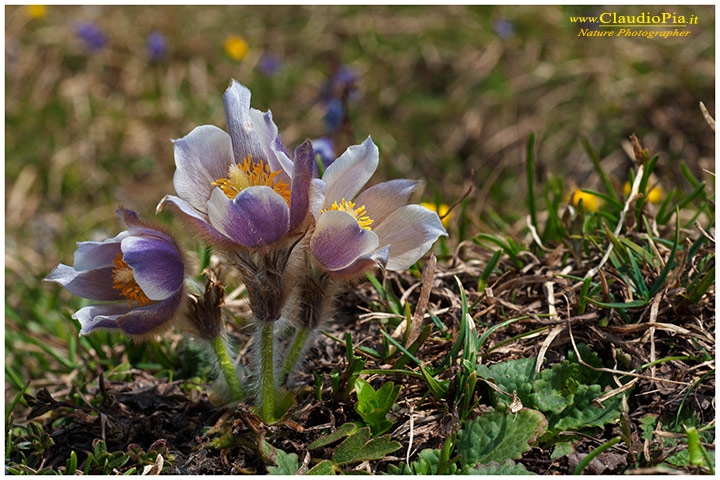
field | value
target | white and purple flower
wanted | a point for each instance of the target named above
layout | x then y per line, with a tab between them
240	189
141	271
355	232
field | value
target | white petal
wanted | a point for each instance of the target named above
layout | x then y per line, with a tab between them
201	157
410	231
346	176
384	198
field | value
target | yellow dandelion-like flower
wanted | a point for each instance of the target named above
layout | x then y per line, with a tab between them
590	202
441	210
36	11
236	47
655	195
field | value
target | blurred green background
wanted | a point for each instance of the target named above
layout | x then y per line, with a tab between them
94	94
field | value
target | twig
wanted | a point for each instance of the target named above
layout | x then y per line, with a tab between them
621	222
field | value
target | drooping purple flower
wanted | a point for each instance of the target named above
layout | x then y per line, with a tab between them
503	28
157	46
140	271
355	232
92	37
269	64
323	147
240	189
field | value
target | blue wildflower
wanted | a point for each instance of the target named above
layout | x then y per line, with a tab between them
503	28
324	148
157	46
91	35
334	114
269	64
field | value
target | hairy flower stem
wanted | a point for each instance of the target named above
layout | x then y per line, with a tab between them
226	367
302	334
267	375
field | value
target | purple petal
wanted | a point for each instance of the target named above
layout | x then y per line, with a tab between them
90	255
256	217
150	319
384	198
100	316
96	284
201	157
199	222
410	231
157	265
134	321
350	172
339	241
366	263
245	140
299	193
140	227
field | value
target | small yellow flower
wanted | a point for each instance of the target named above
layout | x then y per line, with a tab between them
36	11
236	47
441	210
655	195
590	202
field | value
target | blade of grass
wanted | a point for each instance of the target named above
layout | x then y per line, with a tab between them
598	169
669	263
436	388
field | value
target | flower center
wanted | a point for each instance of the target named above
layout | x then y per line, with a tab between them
359	213
248	174
124	281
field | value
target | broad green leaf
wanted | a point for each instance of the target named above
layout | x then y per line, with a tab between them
323	468
344	430
562	449
287	464
554	388
583	413
373	405
497	436
358	448
511	375
508	467
426	464
585	374
647	426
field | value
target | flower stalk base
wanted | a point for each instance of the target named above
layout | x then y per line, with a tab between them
226	367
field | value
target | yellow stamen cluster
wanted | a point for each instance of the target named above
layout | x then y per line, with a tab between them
124	281
359	213
248	174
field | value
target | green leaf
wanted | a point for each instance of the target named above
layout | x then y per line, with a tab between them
358	448
585	374
323	468
426	464
373	405
562	449
583	413
497	436
511	375
554	388
508	467
344	430
647	426
287	464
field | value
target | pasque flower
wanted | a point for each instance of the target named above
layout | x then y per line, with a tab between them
140	271
240	189
354	232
